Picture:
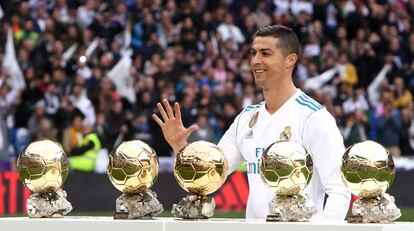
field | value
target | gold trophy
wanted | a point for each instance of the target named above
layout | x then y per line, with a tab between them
133	168
43	167
286	167
368	170
200	168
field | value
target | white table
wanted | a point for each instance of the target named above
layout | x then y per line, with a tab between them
71	223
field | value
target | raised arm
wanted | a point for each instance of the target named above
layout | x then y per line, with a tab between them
172	126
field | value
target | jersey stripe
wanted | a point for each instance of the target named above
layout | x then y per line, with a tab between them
314	101
306	104
250	107
310	101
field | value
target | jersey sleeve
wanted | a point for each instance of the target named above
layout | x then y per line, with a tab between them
228	144
324	141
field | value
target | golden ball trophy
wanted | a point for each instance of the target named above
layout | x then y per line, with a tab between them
286	167
133	168
368	170
43	167
200	168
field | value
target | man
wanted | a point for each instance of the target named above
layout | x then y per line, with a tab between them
286	114
83	158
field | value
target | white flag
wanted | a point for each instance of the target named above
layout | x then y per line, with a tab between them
120	76
317	82
375	85
10	62
68	54
1	13
127	40
91	48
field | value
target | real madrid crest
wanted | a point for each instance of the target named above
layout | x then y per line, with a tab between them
285	134
253	120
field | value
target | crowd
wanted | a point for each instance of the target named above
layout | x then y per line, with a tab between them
357	60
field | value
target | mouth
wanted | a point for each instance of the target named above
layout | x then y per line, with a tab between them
259	71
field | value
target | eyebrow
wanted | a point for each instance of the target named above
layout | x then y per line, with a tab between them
262	50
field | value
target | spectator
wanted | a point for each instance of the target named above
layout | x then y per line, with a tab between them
72	136
228	30
83	157
389	129
355	126
204	131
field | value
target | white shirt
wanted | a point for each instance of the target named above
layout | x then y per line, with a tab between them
311	125
350	105
230	31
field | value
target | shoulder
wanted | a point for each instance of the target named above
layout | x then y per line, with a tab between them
307	104
312	112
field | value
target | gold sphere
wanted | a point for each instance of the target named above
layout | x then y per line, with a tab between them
367	169
133	167
43	166
200	168
286	167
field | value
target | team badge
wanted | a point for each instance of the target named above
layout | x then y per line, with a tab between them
253	120
285	134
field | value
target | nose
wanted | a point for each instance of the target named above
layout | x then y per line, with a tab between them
257	58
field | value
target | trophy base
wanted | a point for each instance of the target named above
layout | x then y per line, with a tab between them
120	216
380	209
124	216
273	218
285	208
50	204
194	207
138	206
355	219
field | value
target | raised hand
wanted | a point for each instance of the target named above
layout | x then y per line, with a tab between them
172	126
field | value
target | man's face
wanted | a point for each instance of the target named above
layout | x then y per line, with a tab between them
267	61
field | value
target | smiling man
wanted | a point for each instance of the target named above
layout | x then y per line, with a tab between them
286	114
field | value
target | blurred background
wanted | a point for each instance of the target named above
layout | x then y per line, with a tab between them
88	74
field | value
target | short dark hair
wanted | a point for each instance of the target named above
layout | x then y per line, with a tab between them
288	41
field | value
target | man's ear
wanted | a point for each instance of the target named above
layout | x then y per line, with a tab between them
291	60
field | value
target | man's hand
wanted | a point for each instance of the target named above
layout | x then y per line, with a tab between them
172	126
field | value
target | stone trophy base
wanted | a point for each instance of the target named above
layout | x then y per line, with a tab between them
290	208
194	207
143	205
50	204
381	209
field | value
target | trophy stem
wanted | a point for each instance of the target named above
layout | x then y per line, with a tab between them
144	205
380	209
51	204
194	207
290	208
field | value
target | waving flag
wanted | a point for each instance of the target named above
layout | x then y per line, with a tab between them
10	63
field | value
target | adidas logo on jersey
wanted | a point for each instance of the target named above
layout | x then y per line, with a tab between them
249	135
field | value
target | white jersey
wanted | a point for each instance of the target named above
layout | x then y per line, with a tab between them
303	120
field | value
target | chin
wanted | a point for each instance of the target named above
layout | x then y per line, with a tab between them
259	82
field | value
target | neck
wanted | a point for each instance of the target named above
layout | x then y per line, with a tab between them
277	95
